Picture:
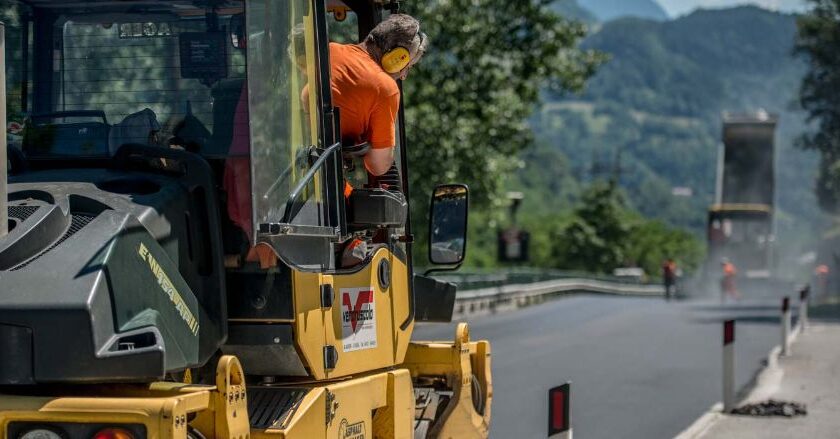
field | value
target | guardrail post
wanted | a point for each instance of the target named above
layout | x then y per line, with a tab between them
803	307
785	325
728	366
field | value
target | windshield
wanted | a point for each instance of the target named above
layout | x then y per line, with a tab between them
166	75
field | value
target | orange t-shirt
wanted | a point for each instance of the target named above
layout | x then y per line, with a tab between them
368	98
729	269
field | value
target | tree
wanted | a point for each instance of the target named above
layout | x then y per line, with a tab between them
468	99
605	234
652	242
818	41
596	239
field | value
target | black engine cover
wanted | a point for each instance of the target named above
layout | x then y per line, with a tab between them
109	275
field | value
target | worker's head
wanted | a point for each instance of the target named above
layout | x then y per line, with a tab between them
724	260
397	44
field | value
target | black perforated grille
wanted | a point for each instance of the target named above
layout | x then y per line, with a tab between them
270	406
21	212
77	222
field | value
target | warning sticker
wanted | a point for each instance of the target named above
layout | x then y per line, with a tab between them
358	319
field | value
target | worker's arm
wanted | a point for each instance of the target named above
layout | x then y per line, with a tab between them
379	160
383	134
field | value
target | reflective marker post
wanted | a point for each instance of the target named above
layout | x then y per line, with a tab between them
559	418
785	325
803	307
728	366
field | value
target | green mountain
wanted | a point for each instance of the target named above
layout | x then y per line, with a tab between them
607	10
570	9
651	115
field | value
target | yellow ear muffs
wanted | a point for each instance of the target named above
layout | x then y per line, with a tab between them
395	60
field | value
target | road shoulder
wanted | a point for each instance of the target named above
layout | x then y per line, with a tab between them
810	375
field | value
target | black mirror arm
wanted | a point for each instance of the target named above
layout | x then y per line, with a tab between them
442	269
307	178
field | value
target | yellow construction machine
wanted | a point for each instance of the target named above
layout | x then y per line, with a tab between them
172	228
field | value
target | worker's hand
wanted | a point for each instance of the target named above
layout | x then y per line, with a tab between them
379	160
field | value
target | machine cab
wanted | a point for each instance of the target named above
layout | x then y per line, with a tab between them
185	156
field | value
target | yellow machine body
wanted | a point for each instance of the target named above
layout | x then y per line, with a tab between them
375	405
316	327
355	372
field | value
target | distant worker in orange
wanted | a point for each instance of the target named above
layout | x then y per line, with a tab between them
727	284
822	280
669	277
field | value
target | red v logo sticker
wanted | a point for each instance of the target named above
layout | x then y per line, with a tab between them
354	309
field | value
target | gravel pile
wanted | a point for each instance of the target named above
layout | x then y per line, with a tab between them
772	408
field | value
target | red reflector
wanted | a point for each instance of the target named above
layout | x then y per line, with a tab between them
113	433
728	332
558	402
558	409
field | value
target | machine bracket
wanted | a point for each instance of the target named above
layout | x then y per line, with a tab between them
331	406
330	357
326	296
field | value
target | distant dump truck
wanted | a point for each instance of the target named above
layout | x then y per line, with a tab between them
740	223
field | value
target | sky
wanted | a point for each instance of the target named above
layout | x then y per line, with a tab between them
676	8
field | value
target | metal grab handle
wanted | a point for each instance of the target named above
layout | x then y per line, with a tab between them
357	150
307	178
301	154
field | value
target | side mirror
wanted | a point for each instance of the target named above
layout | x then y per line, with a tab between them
448	225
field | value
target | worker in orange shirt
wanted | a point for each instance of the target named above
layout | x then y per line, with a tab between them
364	85
363	81
822	280
728	288
363	78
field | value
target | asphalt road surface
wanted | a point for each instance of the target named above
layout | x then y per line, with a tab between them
639	367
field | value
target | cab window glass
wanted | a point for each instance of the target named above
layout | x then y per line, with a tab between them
139	77
282	89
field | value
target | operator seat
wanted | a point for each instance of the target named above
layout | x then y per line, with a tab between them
138	128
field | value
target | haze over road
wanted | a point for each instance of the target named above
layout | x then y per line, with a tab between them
640	368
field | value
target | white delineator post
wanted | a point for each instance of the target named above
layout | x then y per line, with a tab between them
559	412
785	325
803	308
728	366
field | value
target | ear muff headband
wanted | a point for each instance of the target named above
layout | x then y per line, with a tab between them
396	59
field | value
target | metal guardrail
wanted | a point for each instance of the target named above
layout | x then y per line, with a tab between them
476	279
471	300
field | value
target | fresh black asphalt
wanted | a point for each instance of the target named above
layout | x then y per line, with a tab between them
639	367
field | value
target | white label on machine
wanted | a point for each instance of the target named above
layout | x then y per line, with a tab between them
358	319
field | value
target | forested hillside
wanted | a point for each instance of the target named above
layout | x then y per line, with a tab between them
572	10
593	11
607	10
651	115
